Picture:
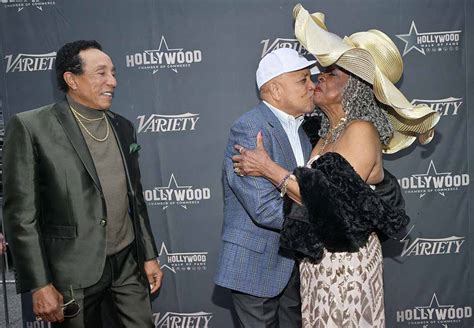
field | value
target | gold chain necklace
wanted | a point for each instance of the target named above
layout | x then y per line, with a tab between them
334	132
86	118
77	115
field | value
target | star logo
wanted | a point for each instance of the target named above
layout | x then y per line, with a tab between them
430	41
163	256
434	299
176	195
172	184
432	167
183	261
166	48
411	40
164	56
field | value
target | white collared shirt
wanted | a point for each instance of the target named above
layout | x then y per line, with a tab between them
291	126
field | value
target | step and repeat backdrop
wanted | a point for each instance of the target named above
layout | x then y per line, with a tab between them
186	71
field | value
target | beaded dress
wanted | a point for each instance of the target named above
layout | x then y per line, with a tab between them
344	290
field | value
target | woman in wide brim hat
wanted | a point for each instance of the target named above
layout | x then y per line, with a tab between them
334	214
374	58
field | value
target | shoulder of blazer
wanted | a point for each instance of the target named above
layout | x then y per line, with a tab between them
260	113
33	114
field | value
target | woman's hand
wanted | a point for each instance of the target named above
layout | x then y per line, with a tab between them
252	162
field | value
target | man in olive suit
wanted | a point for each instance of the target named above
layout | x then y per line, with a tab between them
74	213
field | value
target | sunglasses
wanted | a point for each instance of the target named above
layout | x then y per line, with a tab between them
71	308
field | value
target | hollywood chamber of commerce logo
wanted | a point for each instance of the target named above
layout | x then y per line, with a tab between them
22	4
38	324
189	320
432	246
175	194
436	313
445	107
190	261
429	42
167	123
433	181
164	57
282	43
30	62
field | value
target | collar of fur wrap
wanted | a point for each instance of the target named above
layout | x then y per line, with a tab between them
340	210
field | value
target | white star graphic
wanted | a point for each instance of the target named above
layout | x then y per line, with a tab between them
434	299
431	166
168	49
164	258
173	181
410	40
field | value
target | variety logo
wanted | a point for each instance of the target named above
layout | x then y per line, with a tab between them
194	261
22	4
176	195
434	313
428	42
180	320
445	107
428	246
282	43
30	62
163	57
433	182
167	123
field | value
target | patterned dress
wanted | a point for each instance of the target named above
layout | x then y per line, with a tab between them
344	290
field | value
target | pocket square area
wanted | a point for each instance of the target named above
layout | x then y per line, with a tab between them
134	147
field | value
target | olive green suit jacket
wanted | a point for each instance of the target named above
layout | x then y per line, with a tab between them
54	208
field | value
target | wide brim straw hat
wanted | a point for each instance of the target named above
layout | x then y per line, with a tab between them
373	57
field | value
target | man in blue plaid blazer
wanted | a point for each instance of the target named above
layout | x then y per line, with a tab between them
264	283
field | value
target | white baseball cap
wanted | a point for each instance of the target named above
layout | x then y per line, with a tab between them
280	61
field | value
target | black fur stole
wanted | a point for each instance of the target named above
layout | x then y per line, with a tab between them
340	210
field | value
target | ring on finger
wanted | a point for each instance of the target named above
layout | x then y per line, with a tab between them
241	149
38	318
237	170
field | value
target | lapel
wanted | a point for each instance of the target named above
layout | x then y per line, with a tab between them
279	134
122	142
305	143
74	134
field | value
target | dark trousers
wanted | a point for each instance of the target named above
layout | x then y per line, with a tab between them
282	311
121	282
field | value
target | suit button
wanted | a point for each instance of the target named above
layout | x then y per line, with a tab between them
103	222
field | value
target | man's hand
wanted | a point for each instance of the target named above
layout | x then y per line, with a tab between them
47	303
154	275
3	245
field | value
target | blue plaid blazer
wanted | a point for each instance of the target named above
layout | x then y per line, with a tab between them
249	260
